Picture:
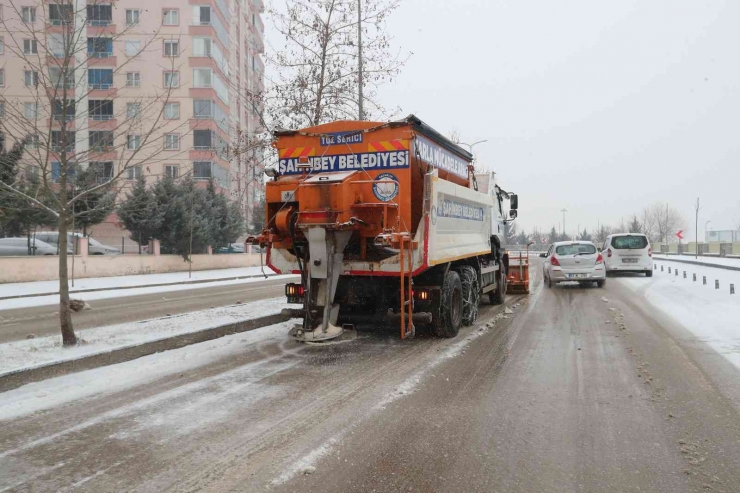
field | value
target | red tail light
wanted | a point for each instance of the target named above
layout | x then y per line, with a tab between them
554	261
609	252
650	252
600	259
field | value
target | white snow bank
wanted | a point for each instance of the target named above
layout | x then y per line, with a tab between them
21	288
58	391
31	353
732	262
712	315
118	293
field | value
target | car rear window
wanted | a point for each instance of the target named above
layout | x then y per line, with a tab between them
574	249
629	242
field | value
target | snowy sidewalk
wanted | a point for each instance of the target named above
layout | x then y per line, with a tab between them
720	262
31	353
42	288
711	315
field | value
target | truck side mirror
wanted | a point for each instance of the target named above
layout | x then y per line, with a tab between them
513	201
512	214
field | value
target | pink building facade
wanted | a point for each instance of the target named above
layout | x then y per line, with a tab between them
205	55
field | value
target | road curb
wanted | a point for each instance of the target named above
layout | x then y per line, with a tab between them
16	378
702	264
138	286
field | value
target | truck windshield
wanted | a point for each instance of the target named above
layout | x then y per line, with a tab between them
629	242
575	249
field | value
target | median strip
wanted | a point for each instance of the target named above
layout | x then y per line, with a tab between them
15	378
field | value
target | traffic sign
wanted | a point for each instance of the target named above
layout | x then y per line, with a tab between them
680	234
544	240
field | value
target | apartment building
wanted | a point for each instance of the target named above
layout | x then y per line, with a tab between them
180	70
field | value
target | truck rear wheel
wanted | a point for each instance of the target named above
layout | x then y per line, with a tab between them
499	296
470	294
448	318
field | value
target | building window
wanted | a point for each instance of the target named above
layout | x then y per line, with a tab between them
2	77
30	78
133	142
172	142
202	170
202	77
99	15
133	173
202	15
31	110
103	170
171	171
56	45
100	140
62	141
202	47
56	171
203	108
171	79
133	48
57	80
202	139
2	109
133	79
100	109
2	45
63	111
60	14
100	47
171	17
171	47
100	78
132	17
133	110
28	14
32	141
30	47
172	111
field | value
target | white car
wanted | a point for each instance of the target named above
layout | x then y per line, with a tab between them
18	247
94	247
628	252
573	261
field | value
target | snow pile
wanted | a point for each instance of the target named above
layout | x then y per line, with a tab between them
58	391
731	262
44	350
118	293
712	315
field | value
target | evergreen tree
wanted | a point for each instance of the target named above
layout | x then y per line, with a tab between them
510	233
94	207
585	235
140	213
635	226
258	216
553	236
522	238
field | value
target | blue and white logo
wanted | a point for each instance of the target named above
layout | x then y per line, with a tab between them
386	191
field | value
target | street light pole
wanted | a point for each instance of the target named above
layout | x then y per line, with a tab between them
563	210
361	106
696	230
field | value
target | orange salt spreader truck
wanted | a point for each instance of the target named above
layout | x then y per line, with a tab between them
384	222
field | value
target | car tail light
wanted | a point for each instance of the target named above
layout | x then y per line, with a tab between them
650	252
294	293
609	252
554	261
600	259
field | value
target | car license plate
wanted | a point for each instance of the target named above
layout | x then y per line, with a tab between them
629	260
577	276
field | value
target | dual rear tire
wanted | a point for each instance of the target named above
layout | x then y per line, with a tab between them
460	299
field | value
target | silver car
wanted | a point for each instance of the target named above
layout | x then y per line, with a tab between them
94	247
573	261
18	247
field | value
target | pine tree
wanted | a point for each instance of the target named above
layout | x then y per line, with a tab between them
553	236
635	226
585	235
95	206
140	214
510	233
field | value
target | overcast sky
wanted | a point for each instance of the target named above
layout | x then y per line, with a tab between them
599	107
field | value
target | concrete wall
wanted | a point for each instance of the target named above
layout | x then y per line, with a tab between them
736	248
27	269
714	247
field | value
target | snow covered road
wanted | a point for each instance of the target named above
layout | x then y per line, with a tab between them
577	390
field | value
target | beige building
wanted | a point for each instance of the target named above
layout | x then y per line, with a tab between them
164	81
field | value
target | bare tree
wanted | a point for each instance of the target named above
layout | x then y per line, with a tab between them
317	68
67	131
667	220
